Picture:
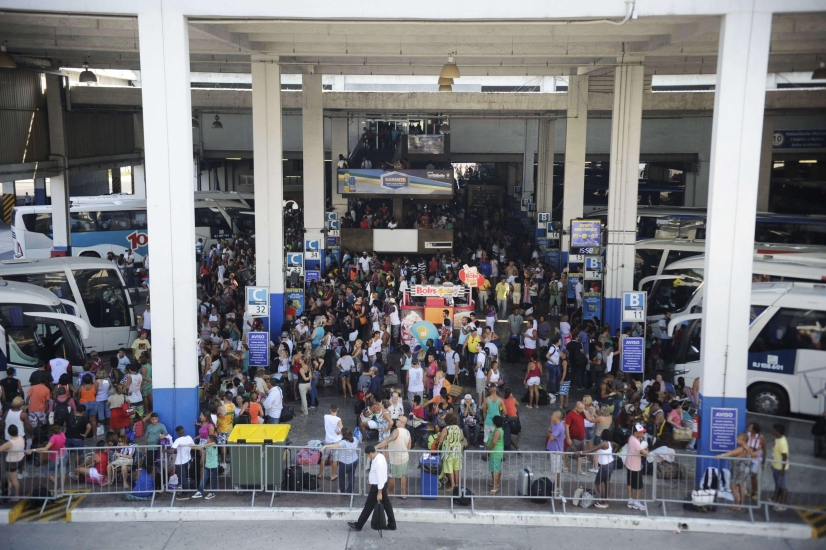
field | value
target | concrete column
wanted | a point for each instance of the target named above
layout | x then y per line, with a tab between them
139	181
313	141
528	158
545	173
626	125
268	184
339	146
61	236
9	200
39	191
577	123
167	125
764	182
737	131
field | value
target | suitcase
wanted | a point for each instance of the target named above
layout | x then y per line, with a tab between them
541	490
429	476
309	482
461	496
293	478
523	484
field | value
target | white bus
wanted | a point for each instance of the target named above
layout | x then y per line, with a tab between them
100	225
680	288
787	359
34	326
90	288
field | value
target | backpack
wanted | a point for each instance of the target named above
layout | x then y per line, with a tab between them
711	479
62	413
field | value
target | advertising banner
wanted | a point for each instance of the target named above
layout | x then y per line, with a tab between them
573	279
585	233
425	144
799	139
294	297
591	305
395	182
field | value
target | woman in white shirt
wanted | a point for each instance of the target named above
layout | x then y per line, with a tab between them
415	380
332	435
345	366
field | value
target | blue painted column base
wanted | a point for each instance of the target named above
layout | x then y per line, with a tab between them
273	324
177	407
714	437
612	313
39	196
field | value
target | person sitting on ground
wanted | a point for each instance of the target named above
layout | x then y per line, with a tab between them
144	483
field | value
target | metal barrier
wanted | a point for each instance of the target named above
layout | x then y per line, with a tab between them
677	476
301	469
111	470
804	484
420	473
541	476
28	477
239	469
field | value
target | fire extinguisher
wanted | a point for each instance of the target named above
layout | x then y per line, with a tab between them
695	426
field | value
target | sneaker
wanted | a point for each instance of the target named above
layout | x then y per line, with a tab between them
631	504
593	470
210	496
601	505
186	497
223	465
639	505
690	450
197	495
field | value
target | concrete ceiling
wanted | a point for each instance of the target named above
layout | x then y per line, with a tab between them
665	45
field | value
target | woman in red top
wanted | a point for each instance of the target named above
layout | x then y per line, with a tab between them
532	379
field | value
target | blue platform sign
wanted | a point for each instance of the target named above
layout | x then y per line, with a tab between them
633	354
633	307
723	429
312	275
591	305
259	344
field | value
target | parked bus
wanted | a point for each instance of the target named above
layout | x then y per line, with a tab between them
787	359
90	288
100	226
34	326
680	288
663	222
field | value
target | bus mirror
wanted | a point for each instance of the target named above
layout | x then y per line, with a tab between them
70	307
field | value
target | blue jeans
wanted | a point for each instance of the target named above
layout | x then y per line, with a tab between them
314	392
210	474
346	475
554	375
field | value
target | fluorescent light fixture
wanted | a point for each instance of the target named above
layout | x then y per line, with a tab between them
807	161
233	158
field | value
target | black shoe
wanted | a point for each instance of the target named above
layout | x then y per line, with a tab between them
354	526
390	528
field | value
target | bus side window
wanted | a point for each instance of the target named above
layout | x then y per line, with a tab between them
139	219
791	329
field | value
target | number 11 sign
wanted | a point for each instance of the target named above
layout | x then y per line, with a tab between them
633	307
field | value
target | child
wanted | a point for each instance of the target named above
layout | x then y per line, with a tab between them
124	455
210	450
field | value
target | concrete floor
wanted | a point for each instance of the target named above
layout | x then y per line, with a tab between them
332	535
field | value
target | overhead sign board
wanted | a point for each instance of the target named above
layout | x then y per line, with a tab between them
258	301
395	182
593	268
295	263
585	233
312	249
437	291
333	224
470	276
329	216
633	307
543	218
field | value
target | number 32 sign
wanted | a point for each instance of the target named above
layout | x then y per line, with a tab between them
258	301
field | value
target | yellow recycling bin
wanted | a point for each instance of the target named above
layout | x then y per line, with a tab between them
249	464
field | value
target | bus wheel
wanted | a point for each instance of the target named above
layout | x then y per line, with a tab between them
89	255
768	399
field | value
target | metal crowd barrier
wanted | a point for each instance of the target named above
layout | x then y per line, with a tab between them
420	473
31	479
85	472
241	469
675	480
305	470
544	477
805	488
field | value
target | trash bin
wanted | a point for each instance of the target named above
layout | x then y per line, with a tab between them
429	465
248	466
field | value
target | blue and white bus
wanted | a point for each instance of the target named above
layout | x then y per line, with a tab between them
787	358
100	225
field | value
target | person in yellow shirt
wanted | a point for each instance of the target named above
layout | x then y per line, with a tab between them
780	465
472	343
503	290
226	414
484	294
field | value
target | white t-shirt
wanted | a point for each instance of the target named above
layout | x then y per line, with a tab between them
59	367
394	316
332	433
578	291
346	363
375	348
147	320
493	351
553	354
364	264
415	380
452	359
662	325
564	327
480	365
530	338
135	388
183	444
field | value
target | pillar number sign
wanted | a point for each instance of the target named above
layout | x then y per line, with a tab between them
633	307
258	301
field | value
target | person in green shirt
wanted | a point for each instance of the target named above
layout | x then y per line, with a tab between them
210	450
154	432
496	444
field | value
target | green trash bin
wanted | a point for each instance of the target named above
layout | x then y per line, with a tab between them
248	464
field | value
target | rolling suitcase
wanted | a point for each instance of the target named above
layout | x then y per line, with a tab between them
429	477
523	485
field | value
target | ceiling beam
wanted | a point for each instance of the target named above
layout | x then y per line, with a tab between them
220	33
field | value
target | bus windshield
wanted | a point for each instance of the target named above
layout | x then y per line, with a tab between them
103	297
30	338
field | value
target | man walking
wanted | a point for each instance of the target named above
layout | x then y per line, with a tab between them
378	491
503	290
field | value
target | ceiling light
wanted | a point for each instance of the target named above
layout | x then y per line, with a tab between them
450	70
443	81
233	158
820	72
195	123
87	76
444	128
6	62
446	88
217	124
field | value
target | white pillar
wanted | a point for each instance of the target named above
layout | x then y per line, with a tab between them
528	159
315	204
61	236
545	172
626	125
735	164
268	183
167	125
764	183
577	124
339	146
139	181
